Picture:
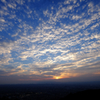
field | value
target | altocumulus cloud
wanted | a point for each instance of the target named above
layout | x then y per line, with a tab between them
47	40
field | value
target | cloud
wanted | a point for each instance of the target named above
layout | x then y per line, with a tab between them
3	1
60	42
76	17
2	20
15	35
3	73
21	2
94	26
5	61
13	6
69	1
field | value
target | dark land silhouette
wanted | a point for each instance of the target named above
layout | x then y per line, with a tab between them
87	94
63	91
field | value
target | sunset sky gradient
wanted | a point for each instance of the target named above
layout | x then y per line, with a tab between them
49	40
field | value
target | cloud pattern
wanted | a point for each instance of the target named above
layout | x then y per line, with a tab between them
60	40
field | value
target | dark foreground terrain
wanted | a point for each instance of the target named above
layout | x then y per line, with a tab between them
50	91
87	94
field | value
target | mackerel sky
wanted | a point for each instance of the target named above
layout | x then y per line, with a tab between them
49	40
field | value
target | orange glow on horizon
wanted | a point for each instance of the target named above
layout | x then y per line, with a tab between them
66	75
57	77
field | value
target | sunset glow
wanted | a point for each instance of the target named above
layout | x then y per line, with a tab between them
57	77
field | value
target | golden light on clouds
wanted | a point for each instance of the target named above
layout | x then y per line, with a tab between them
66	75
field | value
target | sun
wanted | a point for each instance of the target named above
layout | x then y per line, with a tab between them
57	77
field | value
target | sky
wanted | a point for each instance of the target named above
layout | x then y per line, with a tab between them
49	41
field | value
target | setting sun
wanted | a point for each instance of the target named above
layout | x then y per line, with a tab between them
57	77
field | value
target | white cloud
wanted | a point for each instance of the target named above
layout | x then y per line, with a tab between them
94	26
13	6
45	12
3	1
4	50
5	61
4	8
69	1
90	4
64	58
2	20
76	17
14	35
21	2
